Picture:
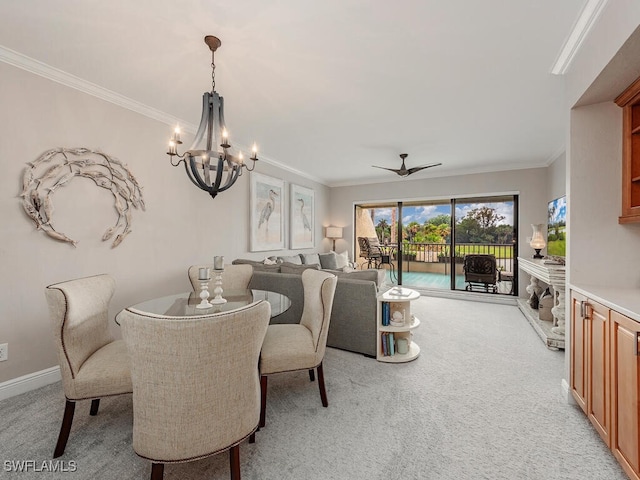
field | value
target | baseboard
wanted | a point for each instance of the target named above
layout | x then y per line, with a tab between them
29	382
566	393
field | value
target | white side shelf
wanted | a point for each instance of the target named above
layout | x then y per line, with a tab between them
399	300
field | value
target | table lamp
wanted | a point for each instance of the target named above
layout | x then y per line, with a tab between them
334	233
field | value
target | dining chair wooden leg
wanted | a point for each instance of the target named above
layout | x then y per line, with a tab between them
312	375
95	404
65	428
323	392
252	438
263	400
234	462
157	471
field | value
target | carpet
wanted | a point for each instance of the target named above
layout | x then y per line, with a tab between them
482	401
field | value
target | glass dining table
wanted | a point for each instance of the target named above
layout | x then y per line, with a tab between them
185	304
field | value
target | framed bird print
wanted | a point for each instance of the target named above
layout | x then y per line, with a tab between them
302	210
267	213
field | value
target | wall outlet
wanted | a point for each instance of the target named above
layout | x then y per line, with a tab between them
4	352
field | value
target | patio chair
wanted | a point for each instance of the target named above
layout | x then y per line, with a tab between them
370	250
481	271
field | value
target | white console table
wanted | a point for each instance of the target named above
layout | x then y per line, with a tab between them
552	333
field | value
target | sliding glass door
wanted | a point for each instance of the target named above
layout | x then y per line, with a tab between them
485	226
424	243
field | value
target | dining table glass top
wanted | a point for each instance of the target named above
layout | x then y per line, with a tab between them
185	304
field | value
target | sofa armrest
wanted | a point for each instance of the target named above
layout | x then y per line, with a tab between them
353	318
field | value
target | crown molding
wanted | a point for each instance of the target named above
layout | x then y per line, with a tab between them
59	76
587	18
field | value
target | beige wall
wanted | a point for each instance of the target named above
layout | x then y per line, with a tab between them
182	225
601	252
557	178
530	184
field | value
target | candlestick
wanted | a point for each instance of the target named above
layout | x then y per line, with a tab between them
204	295
218	288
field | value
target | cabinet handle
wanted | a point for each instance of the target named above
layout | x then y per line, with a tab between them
635	343
582	308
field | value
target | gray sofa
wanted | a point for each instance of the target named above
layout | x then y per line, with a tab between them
353	317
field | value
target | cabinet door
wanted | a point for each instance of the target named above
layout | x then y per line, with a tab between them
598	383
625	392
578	350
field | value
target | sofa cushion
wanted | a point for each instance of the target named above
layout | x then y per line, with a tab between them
257	265
310	258
328	261
291	259
287	267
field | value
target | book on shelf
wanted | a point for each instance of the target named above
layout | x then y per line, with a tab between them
385	314
391	345
383	343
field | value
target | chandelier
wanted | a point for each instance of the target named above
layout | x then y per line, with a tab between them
206	167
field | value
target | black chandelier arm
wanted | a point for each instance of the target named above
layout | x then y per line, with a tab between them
180	160
253	165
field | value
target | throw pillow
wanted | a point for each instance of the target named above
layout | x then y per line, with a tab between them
268	261
328	261
310	258
287	267
291	259
342	260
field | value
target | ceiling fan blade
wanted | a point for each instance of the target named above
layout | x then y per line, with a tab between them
422	167
385	168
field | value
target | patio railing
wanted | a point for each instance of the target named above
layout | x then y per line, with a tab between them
440	253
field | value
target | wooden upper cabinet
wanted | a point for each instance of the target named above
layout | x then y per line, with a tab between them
629	100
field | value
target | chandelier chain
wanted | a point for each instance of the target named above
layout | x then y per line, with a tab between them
213	73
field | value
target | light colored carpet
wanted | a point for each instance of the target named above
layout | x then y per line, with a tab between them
483	401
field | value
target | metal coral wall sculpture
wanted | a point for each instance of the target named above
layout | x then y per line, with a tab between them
55	168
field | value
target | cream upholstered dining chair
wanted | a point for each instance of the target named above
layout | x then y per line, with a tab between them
301	346
196	388
93	365
234	277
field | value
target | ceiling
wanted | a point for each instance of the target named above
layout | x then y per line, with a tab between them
329	88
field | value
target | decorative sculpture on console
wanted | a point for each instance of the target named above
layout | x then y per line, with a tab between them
534	289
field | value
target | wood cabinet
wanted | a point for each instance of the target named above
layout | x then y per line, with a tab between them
625	438
590	383
629	100
605	376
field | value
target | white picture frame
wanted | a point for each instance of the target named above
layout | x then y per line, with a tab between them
266	204
302	223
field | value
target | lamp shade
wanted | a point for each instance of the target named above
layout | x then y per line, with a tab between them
537	241
334	232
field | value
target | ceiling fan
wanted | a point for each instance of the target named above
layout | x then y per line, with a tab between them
403	171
